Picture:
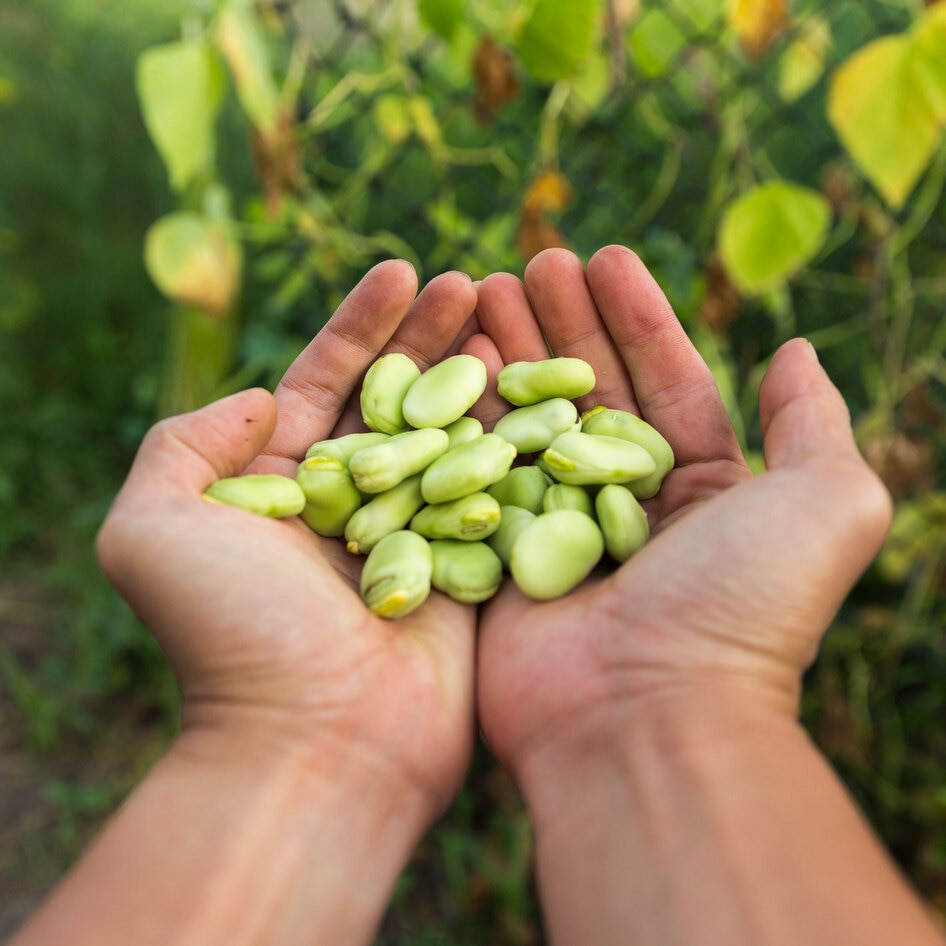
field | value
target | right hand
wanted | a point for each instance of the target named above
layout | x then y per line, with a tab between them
727	604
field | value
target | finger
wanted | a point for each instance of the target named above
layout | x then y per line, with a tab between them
674	389
564	306
505	315
490	406
806	427
319	383
428	332
185	454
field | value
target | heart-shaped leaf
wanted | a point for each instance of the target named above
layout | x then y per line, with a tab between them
557	36
770	232
887	103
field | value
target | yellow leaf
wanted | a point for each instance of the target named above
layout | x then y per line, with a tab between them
548	193
802	63
757	22
887	103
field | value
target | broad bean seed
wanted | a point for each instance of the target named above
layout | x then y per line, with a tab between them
528	382
383	391
388	512
445	392
622	520
470	572
468	518
397	574
555	553
331	497
532	428
589	459
469	468
266	494
381	467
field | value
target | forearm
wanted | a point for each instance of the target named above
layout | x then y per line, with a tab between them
224	847
712	829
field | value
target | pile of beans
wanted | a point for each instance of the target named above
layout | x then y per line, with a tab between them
433	501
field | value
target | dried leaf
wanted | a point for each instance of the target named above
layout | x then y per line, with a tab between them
495	77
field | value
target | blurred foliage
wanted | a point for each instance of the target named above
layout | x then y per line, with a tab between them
779	166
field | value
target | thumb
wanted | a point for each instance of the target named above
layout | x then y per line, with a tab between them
188	452
806	426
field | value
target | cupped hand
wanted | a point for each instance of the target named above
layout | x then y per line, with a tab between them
730	598
261	619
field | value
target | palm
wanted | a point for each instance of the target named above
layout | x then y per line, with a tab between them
284	640
694	606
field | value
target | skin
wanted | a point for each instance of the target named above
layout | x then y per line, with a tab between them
649	719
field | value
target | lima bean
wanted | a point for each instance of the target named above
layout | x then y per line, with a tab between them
568	496
466	469
381	467
622	520
331	496
611	422
589	459
470	572
266	494
388	512
397	574
522	486
513	519
528	382
532	428
468	518
445	392
555	553
383	390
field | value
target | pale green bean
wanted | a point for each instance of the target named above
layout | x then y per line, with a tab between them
331	497
445	392
532	428
522	486
470	572
555	553
513	519
588	459
382	467
466	469
528	382
265	494
468	518
622	520
397	574
388	512
383	390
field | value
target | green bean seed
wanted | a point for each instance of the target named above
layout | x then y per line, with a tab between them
470	572
382	467
627	426
383	390
266	494
331	496
622	520
471	517
344	447
528	382
555	553
445	392
513	519
532	428
388	512
469	468
522	486
397	573
588	459
568	496
463	430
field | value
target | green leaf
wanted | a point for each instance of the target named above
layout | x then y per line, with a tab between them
194	260
442	16
655	42
802	63
887	103
179	88
770	232
557	36
241	40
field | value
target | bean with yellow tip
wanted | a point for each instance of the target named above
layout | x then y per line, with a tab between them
396	577
388	512
331	497
588	459
468	518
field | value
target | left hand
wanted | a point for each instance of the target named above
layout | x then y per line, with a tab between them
261	619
